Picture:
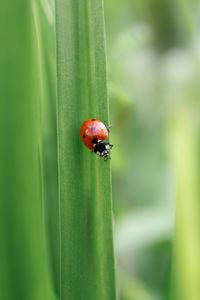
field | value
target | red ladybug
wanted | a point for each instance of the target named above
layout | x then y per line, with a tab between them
93	133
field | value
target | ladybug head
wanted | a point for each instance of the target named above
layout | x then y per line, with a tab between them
102	148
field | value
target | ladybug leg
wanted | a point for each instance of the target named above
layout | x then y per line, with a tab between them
107	157
107	126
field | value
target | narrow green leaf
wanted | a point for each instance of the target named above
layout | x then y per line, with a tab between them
23	271
87	264
185	151
44	24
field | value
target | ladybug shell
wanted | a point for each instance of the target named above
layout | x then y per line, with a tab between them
93	128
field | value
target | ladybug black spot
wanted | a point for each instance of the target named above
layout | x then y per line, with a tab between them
93	128
84	136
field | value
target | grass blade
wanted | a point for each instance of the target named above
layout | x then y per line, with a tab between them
23	272
186	268
87	265
44	23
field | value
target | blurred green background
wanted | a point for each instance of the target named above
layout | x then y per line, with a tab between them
153	76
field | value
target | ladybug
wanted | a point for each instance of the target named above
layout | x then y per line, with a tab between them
93	134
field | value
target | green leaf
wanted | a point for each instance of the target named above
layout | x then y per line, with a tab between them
23	272
185	154
87	264
44	24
